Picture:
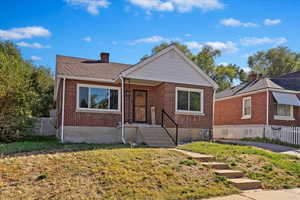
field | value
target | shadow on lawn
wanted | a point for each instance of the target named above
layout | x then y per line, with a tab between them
50	145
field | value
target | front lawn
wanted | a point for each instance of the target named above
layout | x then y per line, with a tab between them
102	173
275	170
38	144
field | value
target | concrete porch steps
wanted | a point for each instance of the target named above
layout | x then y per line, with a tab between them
156	137
245	183
229	173
222	169
215	165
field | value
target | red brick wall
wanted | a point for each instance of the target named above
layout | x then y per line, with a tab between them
161	96
188	121
73	118
272	121
229	111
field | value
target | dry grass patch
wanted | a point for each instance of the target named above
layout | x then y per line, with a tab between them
276	171
141	173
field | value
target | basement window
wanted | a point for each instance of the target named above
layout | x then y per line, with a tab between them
98	98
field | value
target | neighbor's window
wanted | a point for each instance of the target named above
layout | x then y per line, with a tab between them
189	100
246	108
98	97
283	111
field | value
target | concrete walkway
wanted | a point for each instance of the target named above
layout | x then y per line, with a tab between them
271	147
290	194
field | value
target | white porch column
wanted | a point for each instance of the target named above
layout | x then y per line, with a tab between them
63	111
122	109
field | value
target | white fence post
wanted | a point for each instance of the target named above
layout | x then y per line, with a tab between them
286	134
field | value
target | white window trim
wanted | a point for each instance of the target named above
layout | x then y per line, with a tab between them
243	111
96	109
187	112
287	118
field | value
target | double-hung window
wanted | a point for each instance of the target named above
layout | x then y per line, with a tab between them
284	112
246	108
98	98
189	100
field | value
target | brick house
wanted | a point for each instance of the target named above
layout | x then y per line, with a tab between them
165	95
248	110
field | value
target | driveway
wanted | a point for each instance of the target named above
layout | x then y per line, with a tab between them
290	194
271	147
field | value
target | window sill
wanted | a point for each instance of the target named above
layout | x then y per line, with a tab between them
189	113
246	117
286	118
98	111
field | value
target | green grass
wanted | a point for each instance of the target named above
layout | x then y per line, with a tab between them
275	170
42	143
107	173
265	140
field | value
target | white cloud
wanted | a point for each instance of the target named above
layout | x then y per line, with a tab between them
194	45
235	23
270	22
247	69
226	47
91	6
152	39
24	33
36	58
87	39
187	35
34	45
252	41
178	5
223	63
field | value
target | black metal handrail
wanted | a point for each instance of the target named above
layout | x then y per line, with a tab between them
163	112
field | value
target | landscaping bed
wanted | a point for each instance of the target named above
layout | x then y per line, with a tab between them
275	171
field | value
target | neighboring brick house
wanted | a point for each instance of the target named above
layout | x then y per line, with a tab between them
99	101
248	109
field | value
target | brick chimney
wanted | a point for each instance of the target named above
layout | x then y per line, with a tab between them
104	57
254	76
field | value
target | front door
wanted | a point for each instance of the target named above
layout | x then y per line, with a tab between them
140	106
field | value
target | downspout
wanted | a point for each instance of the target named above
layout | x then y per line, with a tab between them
122	109
267	117
63	111
213	112
267	114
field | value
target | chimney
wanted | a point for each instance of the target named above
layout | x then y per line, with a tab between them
104	57
254	76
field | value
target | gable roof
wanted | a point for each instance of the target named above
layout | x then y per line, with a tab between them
88	68
281	83
139	66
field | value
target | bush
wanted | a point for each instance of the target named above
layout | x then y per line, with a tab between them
21	90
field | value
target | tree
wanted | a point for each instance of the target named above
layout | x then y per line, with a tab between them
164	45
205	60
274	62
226	75
25	91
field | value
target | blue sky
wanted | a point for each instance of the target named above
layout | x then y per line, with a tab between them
129	29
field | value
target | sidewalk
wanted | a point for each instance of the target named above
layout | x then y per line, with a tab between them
289	194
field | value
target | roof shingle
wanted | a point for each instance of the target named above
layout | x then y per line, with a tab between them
88	68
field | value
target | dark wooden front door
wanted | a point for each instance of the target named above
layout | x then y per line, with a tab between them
140	106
